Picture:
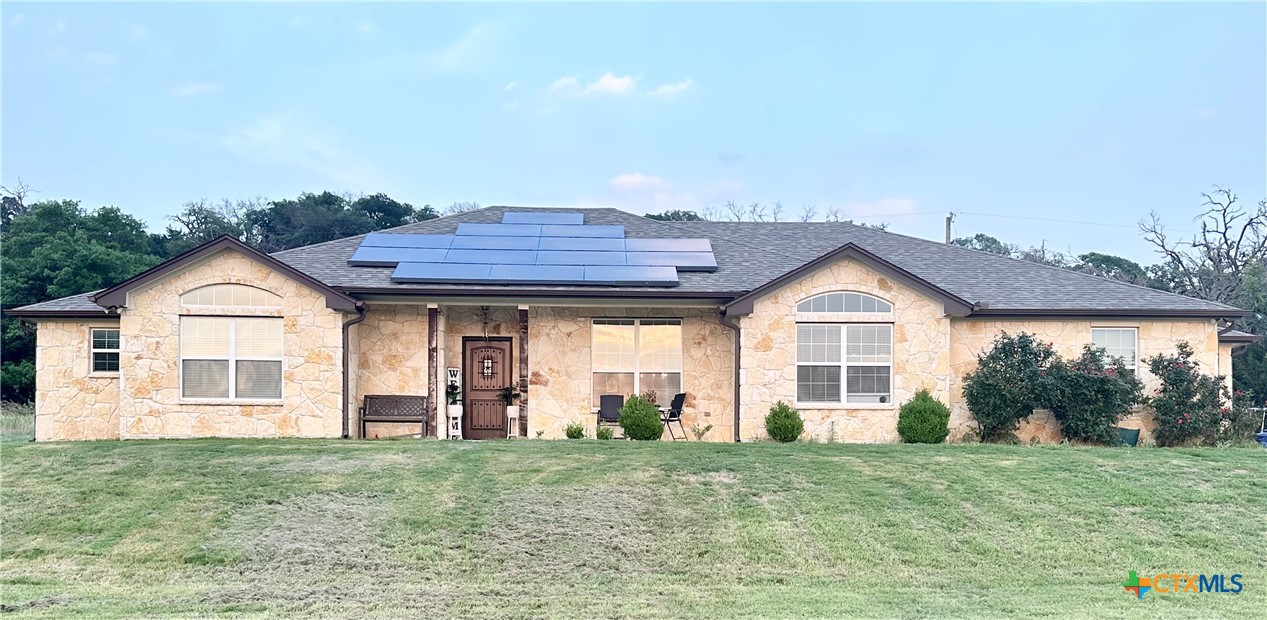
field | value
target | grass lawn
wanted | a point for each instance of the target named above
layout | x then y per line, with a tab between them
585	529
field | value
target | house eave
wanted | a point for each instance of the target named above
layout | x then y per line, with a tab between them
540	296
104	313
1014	313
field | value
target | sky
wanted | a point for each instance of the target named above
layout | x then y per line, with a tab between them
1012	116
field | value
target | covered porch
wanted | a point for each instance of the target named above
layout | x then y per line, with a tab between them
559	359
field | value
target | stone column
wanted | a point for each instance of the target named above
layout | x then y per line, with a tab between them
433	361
523	371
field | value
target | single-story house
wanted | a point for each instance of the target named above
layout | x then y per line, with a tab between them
844	322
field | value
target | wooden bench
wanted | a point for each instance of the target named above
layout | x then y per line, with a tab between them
395	410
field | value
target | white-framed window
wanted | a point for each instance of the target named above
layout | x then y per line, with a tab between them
850	363
105	350
633	356
233	358
1119	342
844	302
239	295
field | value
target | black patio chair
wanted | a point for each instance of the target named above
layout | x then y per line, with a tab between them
674	415
609	409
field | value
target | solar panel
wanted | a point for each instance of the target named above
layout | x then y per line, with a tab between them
540	274
637	276
386	240
388	257
440	272
550	230
596	244
492	257
580	258
501	230
495	243
686	261
528	217
668	245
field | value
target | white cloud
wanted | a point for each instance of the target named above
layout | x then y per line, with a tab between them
135	30
475	49
365	27
58	27
281	141
880	208
637	182
610	84
100	58
674	89
196	88
565	84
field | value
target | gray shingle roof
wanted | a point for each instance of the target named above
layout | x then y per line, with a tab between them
80	304
751	254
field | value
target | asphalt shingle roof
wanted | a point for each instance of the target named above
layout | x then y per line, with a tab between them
73	303
751	254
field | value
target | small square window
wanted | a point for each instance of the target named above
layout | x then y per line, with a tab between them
105	350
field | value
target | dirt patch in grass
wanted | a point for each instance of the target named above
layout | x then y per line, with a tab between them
35	604
713	477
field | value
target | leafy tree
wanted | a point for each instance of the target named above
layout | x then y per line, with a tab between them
55	250
1007	384
201	221
309	219
986	243
461	207
388	213
1112	267
676	215
13	202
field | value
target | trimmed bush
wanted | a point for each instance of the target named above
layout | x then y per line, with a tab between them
1189	406
1007	384
923	419
784	423
640	419
604	433
1089	394
574	430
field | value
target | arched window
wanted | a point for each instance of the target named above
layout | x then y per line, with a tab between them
231	295
844	302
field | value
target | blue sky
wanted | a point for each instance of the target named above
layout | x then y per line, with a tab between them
1080	112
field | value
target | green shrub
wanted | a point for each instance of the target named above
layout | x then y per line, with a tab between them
574	430
1242	420
923	419
1007	385
640	419
1189	406
784	423
604	433
1089	394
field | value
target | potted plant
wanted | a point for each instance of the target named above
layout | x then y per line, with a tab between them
454	395
508	396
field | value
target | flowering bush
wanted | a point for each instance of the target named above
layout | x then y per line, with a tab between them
1089	394
1007	384
1190	407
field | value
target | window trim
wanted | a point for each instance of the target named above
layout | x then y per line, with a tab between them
637	371
232	359
93	351
843	312
844	365
1135	368
268	293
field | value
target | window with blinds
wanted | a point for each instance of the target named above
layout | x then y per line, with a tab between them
1119	343
105	350
231	295
634	356
853	361
236	358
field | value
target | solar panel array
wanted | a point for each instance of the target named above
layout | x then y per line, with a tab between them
535	248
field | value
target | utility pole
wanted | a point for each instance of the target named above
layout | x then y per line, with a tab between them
950	218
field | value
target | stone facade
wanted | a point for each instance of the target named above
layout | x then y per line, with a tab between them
970	337
72	402
921	355
389	356
151	405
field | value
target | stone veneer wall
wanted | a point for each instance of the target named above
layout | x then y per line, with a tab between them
151	405
969	337
559	382
71	401
389	358
921	356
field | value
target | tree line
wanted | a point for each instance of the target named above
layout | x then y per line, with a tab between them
55	248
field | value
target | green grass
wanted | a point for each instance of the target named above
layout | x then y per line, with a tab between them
17	421
587	529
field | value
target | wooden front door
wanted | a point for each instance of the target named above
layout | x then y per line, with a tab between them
486	367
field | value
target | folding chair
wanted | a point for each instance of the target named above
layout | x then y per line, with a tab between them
609	409
674	414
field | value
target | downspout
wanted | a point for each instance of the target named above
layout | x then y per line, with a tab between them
360	316
721	316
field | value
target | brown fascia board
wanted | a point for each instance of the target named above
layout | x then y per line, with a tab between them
1240	338
954	306
517	292
116	296
63	314
997	313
